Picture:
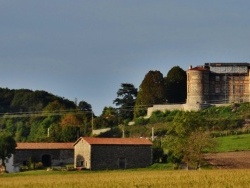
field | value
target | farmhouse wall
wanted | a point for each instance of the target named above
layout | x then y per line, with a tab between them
109	156
82	154
58	156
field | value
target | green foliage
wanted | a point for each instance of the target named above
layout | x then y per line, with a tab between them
141	121
83	105
7	146
125	100
108	118
113	133
126	96
233	143
151	91
176	85
38	116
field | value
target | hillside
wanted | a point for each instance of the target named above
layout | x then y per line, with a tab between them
39	116
25	100
223	120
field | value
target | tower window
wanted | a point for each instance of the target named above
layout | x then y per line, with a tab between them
217	78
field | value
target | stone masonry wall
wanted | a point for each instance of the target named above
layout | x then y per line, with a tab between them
108	156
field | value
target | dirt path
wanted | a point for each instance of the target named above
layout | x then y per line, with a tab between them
230	160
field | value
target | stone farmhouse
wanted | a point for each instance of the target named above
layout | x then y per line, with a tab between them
86	153
50	154
112	153
213	84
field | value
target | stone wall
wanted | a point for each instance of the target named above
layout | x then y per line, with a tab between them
163	108
57	156
82	154
97	157
120	156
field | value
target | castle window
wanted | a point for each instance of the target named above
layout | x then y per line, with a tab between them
233	89
217	78
217	89
241	89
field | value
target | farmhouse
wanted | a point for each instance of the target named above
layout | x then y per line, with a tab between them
50	154
112	153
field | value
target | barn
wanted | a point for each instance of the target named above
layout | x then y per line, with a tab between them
112	153
50	154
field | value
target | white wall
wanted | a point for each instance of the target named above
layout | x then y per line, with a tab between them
9	163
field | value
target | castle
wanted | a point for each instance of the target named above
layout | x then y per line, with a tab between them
213	84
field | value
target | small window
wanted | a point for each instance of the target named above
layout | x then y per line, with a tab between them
233	89
25	163
217	90
217	78
241	89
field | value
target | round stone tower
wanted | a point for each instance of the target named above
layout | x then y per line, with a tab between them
197	85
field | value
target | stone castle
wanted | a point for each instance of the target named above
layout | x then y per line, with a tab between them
213	84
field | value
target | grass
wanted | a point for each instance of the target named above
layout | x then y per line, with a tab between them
127	178
233	143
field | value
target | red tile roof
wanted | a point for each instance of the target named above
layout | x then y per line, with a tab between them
199	69
115	141
28	145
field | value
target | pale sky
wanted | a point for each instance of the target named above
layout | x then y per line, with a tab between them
85	49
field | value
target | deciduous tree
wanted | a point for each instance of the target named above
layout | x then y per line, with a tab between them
7	146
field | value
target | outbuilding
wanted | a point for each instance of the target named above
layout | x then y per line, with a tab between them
112	153
50	154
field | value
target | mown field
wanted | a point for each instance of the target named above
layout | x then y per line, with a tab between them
239	142
127	178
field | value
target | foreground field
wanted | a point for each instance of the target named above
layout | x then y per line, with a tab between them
128	178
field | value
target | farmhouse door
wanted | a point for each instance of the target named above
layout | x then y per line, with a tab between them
121	163
46	160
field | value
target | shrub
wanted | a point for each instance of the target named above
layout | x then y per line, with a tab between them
141	121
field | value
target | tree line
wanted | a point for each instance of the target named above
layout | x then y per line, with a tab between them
39	116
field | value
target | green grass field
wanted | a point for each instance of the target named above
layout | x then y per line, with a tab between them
127	178
233	143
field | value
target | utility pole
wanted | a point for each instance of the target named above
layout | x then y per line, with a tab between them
152	137
92	122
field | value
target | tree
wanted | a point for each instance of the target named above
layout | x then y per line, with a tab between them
108	118
198	142
84	106
126	96
151	91
176	85
7	146
179	134
54	106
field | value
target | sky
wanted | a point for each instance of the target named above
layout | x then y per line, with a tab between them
85	49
